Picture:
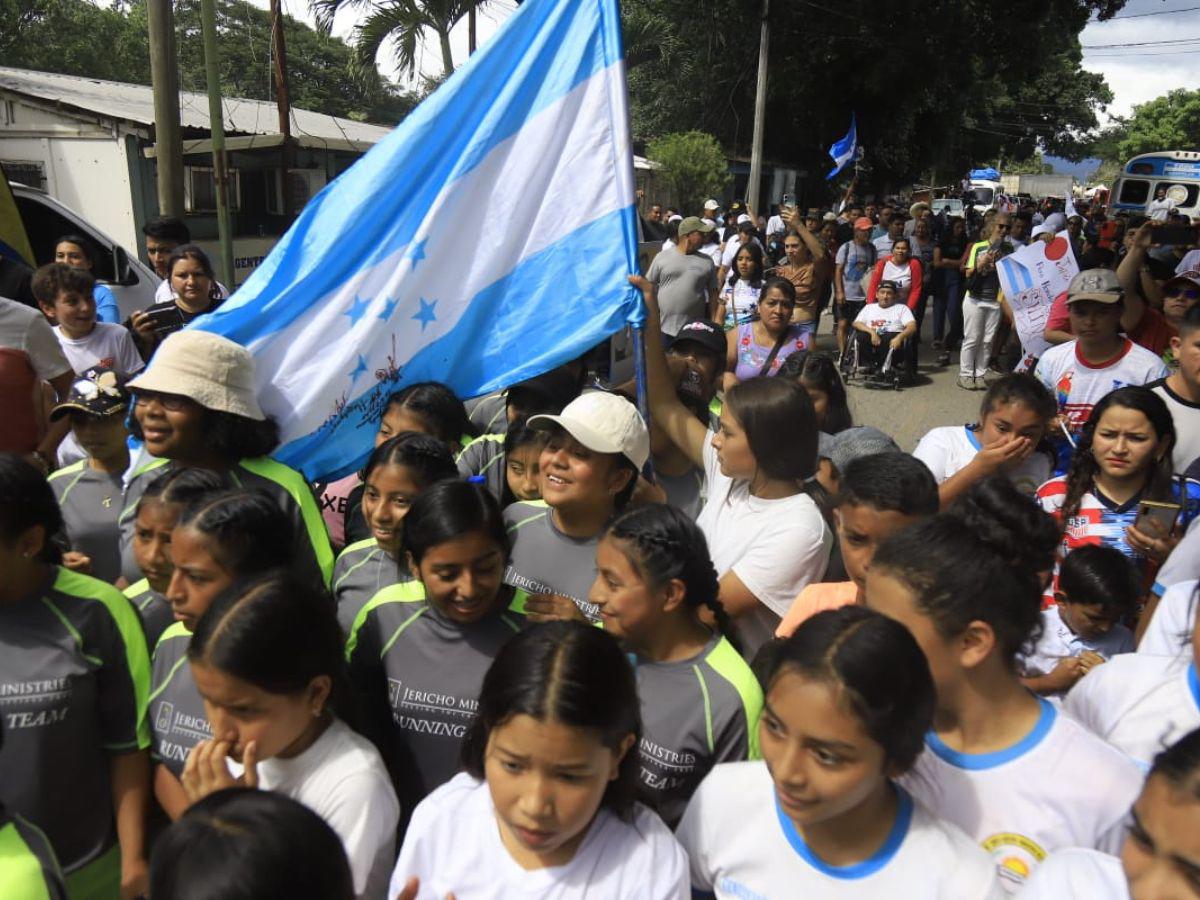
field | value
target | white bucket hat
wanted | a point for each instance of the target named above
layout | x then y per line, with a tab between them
208	369
605	423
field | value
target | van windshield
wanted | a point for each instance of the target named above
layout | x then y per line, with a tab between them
983	196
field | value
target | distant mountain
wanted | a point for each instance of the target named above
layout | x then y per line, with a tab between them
1081	170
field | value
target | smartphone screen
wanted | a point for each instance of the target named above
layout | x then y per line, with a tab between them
1156	519
1170	235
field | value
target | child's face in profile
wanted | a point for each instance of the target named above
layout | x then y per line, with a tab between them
860	530
75	312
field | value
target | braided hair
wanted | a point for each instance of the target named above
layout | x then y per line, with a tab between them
427	458
663	544
249	530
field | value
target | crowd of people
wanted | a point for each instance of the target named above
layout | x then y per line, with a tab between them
540	644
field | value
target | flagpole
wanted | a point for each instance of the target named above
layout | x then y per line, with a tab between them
643	394
760	110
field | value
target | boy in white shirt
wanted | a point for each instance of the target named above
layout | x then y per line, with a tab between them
1100	359
884	320
65	297
1098	586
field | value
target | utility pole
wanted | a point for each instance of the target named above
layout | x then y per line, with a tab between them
216	117
164	76
279	75
760	106
471	30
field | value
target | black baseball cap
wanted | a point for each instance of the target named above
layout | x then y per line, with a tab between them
98	392
708	335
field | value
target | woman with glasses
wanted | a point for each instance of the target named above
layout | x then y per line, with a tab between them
761	346
981	306
194	405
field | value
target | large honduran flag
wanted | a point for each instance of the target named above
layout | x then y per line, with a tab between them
487	239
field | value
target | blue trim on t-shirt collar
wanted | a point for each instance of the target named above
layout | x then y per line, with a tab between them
1194	684
972	438
997	757
881	857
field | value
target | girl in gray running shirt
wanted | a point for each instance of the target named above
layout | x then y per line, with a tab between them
700	701
419	650
218	539
397	471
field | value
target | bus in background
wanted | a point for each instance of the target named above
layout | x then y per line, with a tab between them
1178	171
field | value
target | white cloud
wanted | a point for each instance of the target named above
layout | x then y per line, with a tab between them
1139	74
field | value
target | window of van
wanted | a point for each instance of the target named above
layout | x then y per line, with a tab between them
1173	188
45	225
1134	190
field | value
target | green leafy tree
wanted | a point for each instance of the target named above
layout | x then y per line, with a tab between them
1170	122
693	166
944	90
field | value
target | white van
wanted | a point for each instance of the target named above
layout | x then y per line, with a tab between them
46	220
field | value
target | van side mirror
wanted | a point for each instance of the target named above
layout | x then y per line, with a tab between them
125	273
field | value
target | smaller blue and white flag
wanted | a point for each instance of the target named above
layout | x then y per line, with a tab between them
844	151
486	240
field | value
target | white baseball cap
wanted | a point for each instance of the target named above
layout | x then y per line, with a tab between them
605	423
711	204
743	219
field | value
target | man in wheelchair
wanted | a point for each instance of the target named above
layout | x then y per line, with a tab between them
883	332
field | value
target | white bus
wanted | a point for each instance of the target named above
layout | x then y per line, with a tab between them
1176	170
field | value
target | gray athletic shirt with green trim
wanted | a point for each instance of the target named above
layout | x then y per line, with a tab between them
419	674
177	719
313	557
90	501
28	867
362	570
546	561
695	713
485	456
153	609
74	680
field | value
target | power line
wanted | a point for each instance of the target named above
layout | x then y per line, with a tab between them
1161	12
1191	40
1143	53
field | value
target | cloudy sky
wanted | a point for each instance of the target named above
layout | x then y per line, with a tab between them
1135	74
1138	74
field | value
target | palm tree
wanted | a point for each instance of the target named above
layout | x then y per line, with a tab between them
404	22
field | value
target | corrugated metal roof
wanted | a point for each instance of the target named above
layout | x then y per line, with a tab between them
135	103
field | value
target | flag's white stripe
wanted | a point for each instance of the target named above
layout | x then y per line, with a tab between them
513	204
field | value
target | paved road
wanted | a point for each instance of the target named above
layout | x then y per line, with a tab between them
907	414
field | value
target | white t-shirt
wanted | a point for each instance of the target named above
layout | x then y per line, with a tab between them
776	547
1189	263
341	778
1140	704
741	844
902	275
1158	210
1184	562
1078	385
1058	642
775	225
453	845
1169	632
1078	873
894	318
948	450
1186	417
713	252
1057	787
108	345
25	329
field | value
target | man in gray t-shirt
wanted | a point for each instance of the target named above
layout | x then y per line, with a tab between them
685	278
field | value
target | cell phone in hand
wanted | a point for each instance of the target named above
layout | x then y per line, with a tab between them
788	201
165	319
1156	519
1172	235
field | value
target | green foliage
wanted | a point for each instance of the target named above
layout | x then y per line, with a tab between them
76	37
1033	165
693	166
1170	122
961	82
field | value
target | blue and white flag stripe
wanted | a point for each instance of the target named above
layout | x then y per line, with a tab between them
485	240
845	150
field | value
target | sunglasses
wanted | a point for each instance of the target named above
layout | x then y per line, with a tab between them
1185	293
